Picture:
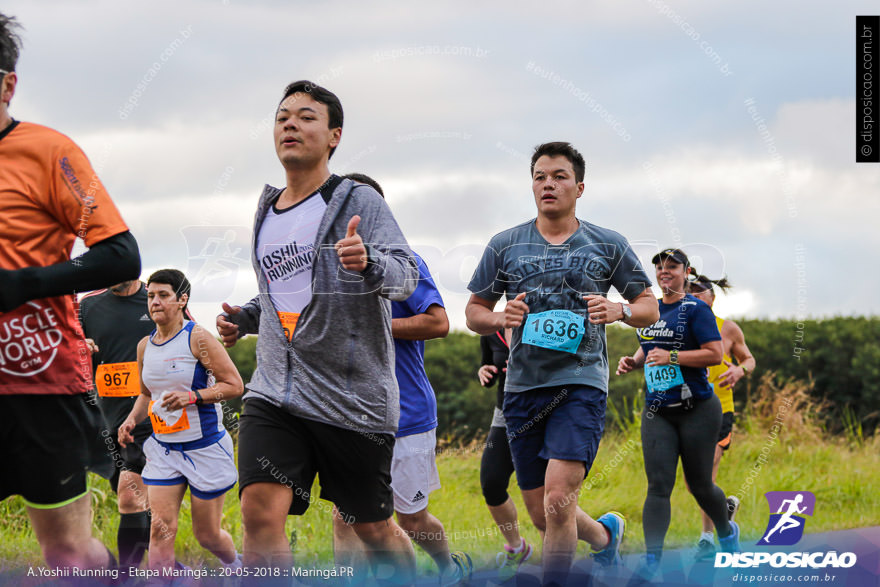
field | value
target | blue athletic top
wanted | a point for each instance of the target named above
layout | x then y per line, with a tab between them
685	325
418	406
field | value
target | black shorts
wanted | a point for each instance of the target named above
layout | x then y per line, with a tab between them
49	443
130	457
726	434
354	467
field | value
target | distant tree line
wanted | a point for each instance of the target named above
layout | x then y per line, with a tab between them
840	355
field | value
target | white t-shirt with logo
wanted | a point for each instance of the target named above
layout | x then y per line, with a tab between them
286	249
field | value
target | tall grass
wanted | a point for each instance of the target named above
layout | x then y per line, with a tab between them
780	443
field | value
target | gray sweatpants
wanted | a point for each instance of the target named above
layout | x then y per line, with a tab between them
692	434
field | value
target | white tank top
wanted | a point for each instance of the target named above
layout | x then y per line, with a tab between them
171	366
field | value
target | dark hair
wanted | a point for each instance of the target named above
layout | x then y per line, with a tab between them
701	282
10	43
561	149
176	279
320	95
361	178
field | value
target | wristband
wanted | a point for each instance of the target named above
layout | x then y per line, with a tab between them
190	401
199	399
673	357
745	371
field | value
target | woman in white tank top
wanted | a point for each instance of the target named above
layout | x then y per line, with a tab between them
185	372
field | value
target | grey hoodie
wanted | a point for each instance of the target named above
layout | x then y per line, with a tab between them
339	366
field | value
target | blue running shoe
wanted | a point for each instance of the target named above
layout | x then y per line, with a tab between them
610	555
464	569
731	543
648	568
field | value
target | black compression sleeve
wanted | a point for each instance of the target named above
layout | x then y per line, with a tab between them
113	260
486	350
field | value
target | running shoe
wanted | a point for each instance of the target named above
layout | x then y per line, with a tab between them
464	568
610	555
648	567
732	507
731	543
705	550
508	561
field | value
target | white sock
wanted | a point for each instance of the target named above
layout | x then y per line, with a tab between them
522	545
708	537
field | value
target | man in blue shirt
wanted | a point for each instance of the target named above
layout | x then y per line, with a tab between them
555	272
414	475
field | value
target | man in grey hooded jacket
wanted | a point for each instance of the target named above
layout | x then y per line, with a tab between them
329	257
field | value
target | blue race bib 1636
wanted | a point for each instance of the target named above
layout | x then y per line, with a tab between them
558	330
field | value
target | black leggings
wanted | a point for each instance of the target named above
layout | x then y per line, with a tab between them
666	435
496	467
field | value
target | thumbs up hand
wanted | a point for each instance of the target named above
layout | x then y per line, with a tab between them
515	310
351	250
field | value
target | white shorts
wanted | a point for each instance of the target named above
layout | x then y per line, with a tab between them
209	471
414	471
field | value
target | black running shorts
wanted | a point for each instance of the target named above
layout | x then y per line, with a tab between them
726	434
353	467
49	443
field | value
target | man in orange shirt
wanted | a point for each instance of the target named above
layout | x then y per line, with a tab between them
50	439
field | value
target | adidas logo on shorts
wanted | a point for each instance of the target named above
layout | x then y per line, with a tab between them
419	497
145	317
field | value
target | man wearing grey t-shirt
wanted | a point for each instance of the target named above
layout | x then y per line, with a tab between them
555	272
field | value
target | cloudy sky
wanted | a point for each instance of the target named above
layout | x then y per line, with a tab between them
726	128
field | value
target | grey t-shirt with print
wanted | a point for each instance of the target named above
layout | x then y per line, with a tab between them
556	277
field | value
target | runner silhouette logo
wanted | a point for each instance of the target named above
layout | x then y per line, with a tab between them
787	511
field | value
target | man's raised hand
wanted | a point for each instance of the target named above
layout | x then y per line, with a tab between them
351	250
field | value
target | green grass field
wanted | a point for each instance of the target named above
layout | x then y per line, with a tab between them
843	472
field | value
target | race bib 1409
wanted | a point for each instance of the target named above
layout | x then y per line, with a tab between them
662	377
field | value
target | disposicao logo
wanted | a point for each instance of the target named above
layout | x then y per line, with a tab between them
786	525
785	528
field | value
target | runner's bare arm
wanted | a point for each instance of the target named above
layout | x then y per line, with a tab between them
215	359
112	260
482	319
432	323
645	310
627	364
739	350
140	409
708	354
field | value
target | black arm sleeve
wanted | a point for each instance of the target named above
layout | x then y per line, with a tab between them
113	260
486	349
